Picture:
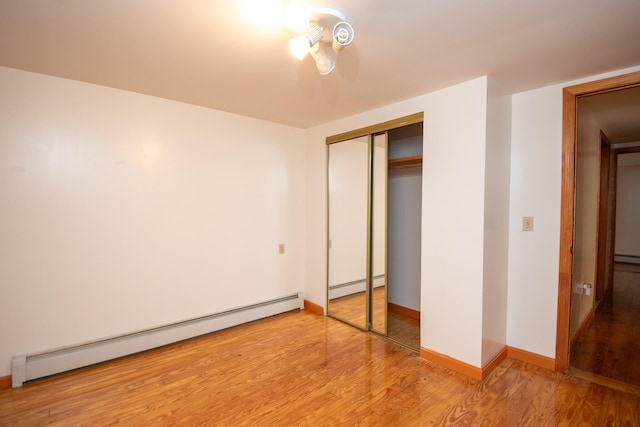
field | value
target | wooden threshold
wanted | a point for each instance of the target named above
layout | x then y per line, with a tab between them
604	381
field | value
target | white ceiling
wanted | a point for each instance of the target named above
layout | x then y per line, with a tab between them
205	52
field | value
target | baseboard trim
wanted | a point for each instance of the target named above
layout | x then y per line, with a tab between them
450	363
5	382
313	308
493	363
464	368
406	311
532	358
583	327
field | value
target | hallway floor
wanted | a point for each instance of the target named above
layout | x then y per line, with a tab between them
610	347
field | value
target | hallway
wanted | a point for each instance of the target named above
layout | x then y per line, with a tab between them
610	347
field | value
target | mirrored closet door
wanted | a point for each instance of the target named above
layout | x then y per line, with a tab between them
361	170
348	199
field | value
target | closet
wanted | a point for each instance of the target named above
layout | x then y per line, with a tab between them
374	179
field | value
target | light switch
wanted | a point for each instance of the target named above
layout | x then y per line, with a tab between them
527	223
281	248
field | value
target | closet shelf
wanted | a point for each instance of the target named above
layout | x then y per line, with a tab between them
405	162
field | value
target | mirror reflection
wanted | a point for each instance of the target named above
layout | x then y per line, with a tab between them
348	185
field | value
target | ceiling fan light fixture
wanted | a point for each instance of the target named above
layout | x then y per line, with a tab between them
313	39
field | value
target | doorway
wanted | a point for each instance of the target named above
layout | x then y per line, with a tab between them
404	236
608	352
566	284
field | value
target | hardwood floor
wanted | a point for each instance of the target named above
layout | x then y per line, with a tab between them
351	308
610	346
404	329
399	327
300	368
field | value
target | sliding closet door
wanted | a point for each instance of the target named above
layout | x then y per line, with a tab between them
378	237
359	286
348	218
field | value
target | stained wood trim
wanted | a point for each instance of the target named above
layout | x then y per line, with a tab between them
583	327
567	202
610	84
377	128
450	363
5	382
569	121
493	363
532	358
604	210
462	367
627	150
614	195
406	311
406	162
313	308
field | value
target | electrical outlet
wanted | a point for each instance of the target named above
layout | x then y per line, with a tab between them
527	223
281	248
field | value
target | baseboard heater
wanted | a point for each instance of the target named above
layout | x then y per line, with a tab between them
32	366
628	259
349	288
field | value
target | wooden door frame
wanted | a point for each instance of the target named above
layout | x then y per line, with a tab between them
570	97
604	217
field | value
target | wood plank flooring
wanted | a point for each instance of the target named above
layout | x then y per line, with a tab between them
304	369
401	328
610	346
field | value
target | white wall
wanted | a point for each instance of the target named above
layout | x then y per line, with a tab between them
536	171
405	219
628	206
452	213
349	212
348	186
496	221
453	221
120	211
404	240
